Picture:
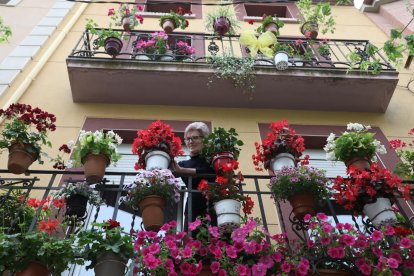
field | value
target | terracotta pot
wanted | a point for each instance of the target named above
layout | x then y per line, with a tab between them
34	269
113	46
333	272
126	23
310	28
94	167
20	158
272	27
76	206
302	204
221	25
110	264
152	212
221	159
206	271
359	162
168	25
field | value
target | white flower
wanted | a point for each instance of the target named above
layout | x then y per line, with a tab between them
354	127
118	139
330	138
71	144
69	164
330	156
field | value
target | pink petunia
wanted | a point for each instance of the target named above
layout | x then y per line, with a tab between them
215	266
405	243
322	216
376	235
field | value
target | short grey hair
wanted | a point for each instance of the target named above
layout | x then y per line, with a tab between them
199	126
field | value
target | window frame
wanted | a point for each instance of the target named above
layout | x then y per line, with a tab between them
196	9
291	8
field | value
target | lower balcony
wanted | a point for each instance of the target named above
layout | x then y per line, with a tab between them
313	80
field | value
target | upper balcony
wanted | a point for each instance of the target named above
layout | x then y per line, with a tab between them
317	82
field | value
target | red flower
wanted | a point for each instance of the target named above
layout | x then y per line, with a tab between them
251	21
111	12
50	226
203	185
112	224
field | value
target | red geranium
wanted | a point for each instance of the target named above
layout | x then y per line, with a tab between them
158	136
281	138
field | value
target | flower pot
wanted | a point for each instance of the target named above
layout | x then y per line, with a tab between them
331	272
310	29
272	27
380	212
126	23
281	60
168	26
152	212
302	204
94	167
282	160
142	57
221	159
113	46
110	264
263	60
359	162
206	271
20	158
34	269
168	56
157	159
228	214
76	206
221	25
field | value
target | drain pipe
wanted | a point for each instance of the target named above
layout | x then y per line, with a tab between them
19	92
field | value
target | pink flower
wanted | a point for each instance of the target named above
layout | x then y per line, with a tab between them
333	252
222	272
286	267
111	12
151	262
154	248
365	269
325	240
187	252
215	266
322	216
307	217
377	251
311	243
243	270
405	243
389	230
326	227
214	232
393	263
277	257
193	225
347	239
231	252
376	235
259	270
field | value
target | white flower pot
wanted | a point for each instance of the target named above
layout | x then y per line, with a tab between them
281	60
167	57
380	212
157	159
228	214
142	57
282	160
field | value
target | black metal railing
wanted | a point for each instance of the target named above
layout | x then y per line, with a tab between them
320	54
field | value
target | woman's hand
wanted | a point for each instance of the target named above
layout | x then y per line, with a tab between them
178	169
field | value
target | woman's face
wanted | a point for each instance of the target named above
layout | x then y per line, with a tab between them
194	141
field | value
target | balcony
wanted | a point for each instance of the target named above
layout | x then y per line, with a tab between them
315	83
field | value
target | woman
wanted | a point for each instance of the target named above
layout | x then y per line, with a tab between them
193	138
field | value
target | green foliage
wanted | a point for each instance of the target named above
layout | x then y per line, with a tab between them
221	140
371	65
102	34
410	43
177	17
279	47
222	11
270	19
239	70
5	32
320	14
292	181
353	144
105	238
9	251
15	217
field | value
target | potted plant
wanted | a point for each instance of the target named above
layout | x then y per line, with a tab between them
16	216
76	196
157	142
281	147
226	197
315	17
239	70
107	247
404	168
108	38
221	146
183	51
283	52
95	151
222	20
302	186
155	46
271	24
149	193
323	49
356	146
369	191
24	133
174	20
126	16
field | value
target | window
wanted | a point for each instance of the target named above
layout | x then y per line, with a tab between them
157	8
287	12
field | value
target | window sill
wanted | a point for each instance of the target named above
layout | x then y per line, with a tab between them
159	14
259	19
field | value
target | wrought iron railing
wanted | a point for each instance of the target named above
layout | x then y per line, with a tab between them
305	54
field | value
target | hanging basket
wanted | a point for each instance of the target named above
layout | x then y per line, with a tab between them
168	26
272	27
310	29
113	46
157	159
126	23
34	269
361	163
20	158
76	206
302	204
94	167
152	212
380	212
110	264
220	159
221	25
228	215
282	160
